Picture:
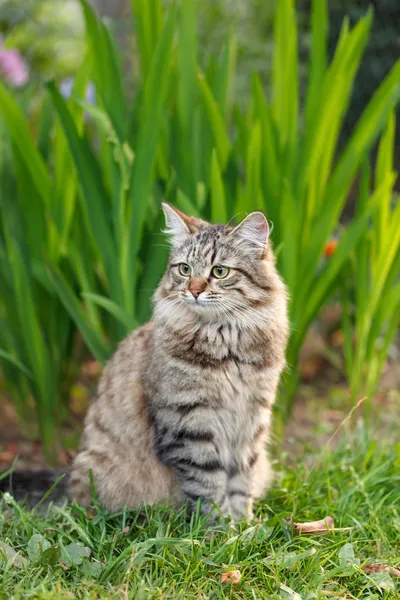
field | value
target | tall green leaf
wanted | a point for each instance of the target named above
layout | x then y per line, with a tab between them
106	69
154	98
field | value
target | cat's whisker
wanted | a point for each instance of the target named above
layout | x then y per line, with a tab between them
250	321
246	321
173	312
164	318
248	309
244	314
166	301
177	305
233	314
160	312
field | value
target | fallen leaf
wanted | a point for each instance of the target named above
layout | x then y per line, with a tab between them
232	577
12	557
376	568
321	526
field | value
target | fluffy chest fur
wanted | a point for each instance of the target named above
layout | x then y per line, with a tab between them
214	378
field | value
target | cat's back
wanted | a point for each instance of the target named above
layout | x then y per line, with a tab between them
120	394
128	363
118	439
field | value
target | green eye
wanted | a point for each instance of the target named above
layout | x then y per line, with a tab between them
220	272
184	269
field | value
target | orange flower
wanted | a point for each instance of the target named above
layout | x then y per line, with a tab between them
330	248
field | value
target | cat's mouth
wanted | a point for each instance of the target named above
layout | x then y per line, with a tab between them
200	304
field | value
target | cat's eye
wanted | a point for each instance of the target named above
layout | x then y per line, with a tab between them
185	269
220	272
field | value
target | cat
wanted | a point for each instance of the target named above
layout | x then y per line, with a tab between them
184	406
183	409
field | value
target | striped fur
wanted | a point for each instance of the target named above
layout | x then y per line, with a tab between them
184	406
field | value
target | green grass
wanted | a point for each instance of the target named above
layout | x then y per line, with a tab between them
158	554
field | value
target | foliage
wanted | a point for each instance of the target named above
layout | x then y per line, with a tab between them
252	21
372	289
92	180
48	33
381	52
156	552
36	333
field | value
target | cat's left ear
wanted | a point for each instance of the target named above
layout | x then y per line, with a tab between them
178	225
253	231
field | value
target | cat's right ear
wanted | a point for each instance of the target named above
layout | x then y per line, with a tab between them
177	226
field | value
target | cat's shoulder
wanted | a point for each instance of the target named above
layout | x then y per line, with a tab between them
131	352
135	339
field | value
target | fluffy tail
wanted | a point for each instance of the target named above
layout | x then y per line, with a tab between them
31	487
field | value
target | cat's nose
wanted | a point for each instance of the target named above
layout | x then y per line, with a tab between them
196	286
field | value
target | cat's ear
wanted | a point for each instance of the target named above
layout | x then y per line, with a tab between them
178	225
253	231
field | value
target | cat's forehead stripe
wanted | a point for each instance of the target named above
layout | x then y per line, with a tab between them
204	245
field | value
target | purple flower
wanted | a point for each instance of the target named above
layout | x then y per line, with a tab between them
13	67
66	87
66	90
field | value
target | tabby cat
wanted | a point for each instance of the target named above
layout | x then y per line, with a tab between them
184	406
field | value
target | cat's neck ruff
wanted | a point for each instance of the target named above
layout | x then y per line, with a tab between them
183	320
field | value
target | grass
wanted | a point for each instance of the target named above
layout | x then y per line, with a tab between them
158	554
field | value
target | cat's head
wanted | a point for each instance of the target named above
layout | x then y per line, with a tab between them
218	270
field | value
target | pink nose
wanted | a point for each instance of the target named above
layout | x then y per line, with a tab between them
196	286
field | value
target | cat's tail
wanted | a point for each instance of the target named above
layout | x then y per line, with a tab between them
36	487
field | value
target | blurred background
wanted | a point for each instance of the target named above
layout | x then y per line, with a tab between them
219	107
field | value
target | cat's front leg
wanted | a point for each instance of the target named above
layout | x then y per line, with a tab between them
239	494
250	482
188	446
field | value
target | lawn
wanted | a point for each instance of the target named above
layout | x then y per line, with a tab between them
157	553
